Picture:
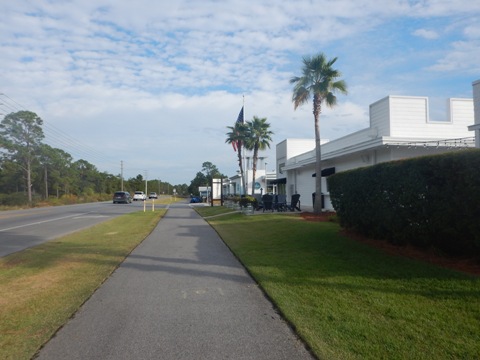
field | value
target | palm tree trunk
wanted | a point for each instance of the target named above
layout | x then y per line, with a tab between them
317	207
254	168
240	164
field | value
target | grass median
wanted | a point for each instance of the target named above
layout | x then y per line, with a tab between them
350	301
42	287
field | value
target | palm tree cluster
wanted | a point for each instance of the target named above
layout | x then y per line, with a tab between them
253	135
319	80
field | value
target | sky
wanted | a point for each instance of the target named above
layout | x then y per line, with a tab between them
149	87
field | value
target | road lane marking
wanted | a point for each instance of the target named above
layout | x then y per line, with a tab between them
42	222
90	216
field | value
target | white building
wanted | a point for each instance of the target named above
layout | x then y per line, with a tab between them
400	127
476	106
264	180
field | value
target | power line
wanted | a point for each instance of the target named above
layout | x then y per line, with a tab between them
58	138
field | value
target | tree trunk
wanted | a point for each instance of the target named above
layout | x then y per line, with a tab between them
29	183
254	168
240	164
317	207
46	184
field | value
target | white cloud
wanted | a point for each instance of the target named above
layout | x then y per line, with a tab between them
472	31
462	58
156	83
426	34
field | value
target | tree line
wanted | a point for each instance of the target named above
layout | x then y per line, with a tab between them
31	170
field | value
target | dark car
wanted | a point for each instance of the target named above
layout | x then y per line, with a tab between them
122	197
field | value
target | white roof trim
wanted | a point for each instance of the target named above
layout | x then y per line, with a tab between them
356	148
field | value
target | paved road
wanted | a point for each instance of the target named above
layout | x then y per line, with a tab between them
20	229
180	295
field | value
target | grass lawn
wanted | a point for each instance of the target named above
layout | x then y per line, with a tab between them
42	287
207	211
350	301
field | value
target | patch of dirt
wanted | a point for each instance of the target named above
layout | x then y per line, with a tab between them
324	216
467	265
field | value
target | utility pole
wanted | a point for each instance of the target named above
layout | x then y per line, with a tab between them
146	174
121	174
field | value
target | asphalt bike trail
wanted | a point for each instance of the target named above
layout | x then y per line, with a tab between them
181	294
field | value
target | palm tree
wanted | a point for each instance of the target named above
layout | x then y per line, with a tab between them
258	138
319	80
236	137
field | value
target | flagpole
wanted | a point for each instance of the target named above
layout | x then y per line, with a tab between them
245	182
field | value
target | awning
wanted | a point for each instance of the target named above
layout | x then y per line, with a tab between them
278	181
326	172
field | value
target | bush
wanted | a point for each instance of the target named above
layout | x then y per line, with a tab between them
15	199
20	199
244	201
431	201
235	199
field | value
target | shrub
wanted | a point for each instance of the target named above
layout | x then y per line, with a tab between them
15	199
431	201
244	201
236	199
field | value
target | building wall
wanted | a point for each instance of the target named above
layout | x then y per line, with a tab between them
306	184
290	148
476	105
259	178
300	180
476	100
399	129
379	116
409	117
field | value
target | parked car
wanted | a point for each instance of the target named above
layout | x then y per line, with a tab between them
153	195
139	195
195	199
122	197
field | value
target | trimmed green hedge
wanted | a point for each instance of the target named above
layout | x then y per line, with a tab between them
244	201
431	201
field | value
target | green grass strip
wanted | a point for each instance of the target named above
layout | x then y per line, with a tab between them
42	287
208	211
350	301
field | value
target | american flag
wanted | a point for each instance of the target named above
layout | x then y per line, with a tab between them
240	119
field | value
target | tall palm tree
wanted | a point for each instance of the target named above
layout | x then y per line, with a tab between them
236	137
319	80
258	138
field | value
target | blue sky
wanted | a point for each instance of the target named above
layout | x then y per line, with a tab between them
155	84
